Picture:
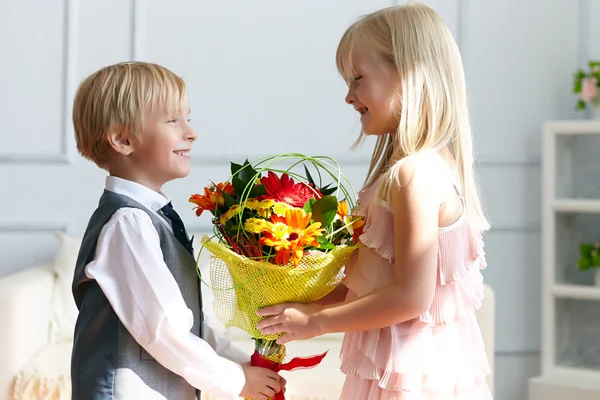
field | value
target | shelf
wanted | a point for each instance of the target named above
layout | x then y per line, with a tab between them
557	386
577	376
576	206
573	127
576	292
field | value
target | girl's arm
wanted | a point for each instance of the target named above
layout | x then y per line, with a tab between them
416	200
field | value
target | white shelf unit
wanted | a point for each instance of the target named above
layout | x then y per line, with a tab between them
563	201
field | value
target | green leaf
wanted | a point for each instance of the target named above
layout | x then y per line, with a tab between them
584	264
586	248
308	176
235	168
596	258
308	206
324	210
580	105
577	77
247	173
243	175
229	200
238	185
326	190
257	190
324	243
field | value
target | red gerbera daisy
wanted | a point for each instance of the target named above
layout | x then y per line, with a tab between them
284	189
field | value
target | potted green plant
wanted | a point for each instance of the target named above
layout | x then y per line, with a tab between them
590	258
586	84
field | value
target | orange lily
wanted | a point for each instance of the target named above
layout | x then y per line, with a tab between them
212	198
355	223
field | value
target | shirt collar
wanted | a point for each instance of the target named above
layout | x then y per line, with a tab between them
140	193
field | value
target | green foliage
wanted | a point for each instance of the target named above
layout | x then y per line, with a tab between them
589	256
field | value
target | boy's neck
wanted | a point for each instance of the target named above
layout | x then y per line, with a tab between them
137	178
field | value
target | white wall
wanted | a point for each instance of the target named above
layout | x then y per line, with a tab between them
266	67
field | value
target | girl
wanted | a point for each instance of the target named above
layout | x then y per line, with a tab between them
414	285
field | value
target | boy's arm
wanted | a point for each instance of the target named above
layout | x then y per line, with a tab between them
223	346
129	268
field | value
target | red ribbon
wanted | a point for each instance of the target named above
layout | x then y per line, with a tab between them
257	360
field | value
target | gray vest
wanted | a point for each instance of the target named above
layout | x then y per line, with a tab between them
107	363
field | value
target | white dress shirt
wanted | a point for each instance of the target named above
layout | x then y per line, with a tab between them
130	270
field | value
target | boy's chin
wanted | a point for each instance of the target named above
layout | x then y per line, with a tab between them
182	173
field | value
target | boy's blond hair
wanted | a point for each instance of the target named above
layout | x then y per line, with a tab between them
432	105
117	97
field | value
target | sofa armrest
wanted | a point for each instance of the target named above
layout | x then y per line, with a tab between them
25	305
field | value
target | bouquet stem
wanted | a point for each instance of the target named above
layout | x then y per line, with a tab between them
268	354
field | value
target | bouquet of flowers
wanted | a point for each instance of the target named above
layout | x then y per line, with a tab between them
279	237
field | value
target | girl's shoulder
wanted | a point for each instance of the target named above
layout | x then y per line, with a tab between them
425	170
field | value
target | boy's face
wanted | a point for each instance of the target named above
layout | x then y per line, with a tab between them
163	153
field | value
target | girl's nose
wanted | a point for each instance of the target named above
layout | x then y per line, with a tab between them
191	135
350	98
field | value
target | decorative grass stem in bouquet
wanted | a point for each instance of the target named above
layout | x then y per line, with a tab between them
280	236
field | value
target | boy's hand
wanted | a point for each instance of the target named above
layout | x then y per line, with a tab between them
261	383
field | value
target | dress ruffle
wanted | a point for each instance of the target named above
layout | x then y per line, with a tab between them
440	354
447	359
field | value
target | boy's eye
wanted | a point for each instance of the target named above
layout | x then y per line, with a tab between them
357	78
173	120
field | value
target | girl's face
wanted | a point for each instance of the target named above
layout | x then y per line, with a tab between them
372	91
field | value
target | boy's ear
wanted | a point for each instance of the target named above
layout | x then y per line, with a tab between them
120	142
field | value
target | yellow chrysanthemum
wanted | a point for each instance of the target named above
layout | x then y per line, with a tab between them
233	211
279	230
264	208
255	225
281	208
252	204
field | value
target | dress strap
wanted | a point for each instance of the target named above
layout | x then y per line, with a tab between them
456	187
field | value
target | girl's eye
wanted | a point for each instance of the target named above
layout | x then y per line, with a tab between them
174	120
357	78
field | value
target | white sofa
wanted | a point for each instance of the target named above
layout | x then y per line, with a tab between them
37	316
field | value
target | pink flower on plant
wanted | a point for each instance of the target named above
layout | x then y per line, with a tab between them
589	88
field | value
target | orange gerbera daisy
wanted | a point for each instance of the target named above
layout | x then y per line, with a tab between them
289	235
212	198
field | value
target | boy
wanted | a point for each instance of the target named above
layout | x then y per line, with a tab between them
139	329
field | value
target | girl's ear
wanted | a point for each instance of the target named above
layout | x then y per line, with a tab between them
120	142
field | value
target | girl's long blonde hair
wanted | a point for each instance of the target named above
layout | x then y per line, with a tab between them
432	102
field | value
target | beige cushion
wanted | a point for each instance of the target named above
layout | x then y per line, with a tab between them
25	300
64	310
46	376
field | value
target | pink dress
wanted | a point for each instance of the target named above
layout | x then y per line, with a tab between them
438	356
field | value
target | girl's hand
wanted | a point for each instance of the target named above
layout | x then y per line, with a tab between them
298	321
